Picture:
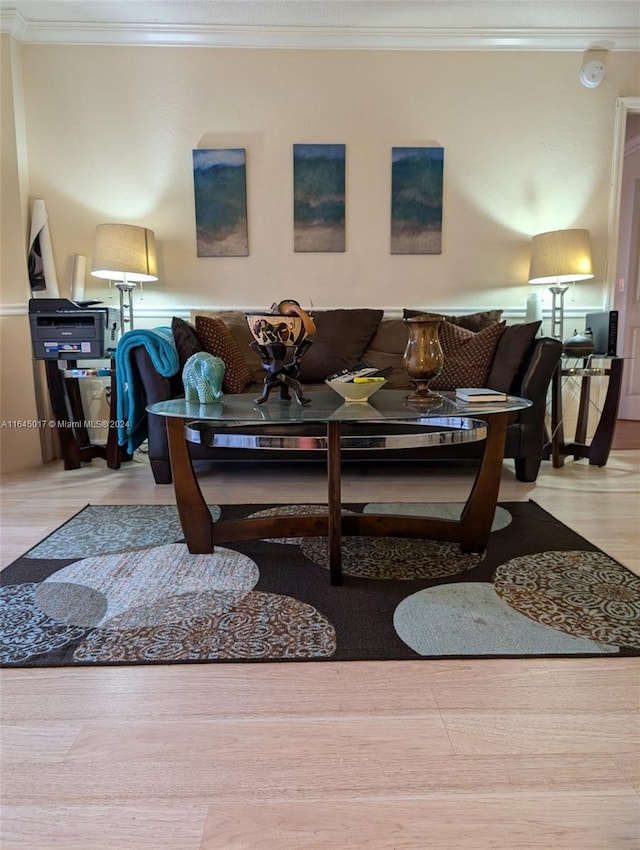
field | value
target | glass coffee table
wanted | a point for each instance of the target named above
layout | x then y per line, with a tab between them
328	425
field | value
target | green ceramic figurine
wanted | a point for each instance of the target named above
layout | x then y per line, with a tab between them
202	378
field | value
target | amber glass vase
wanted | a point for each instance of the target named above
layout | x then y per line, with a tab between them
423	357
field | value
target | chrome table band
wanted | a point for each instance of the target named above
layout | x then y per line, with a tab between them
446	431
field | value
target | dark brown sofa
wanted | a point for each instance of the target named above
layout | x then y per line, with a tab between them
520	363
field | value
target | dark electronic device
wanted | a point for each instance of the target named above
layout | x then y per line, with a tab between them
62	329
604	328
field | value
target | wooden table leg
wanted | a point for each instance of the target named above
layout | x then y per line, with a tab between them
334	503
557	427
477	515
69	447
115	454
195	516
603	436
583	412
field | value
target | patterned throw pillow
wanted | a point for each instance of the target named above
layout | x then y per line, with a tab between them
467	355
216	338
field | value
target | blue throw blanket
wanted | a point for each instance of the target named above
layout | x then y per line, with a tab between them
130	410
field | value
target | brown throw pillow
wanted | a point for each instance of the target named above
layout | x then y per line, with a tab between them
217	340
340	341
472	321
467	356
512	347
186	339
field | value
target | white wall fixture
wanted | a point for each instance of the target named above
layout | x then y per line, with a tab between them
77	277
592	73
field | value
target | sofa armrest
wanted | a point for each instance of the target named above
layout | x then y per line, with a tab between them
155	388
533	383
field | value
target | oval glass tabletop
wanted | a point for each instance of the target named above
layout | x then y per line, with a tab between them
327	406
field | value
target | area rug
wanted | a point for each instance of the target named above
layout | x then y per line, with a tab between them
117	585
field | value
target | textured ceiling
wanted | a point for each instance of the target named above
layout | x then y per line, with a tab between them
323	13
47	19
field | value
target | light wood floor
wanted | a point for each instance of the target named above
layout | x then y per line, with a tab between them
433	755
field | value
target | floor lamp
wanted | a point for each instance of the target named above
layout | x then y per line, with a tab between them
125	254
560	257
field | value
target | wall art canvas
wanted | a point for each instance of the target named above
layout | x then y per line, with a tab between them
318	198
220	185
42	269
416	200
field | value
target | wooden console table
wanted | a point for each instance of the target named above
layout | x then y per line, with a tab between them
597	451
70	421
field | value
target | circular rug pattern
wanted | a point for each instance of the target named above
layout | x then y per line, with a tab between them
99	529
261	625
25	630
173	609
93	591
470	619
443	510
402	558
582	593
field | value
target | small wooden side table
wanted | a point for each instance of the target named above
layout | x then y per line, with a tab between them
598	450
71	423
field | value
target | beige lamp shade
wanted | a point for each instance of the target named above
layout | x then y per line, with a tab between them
124	252
560	256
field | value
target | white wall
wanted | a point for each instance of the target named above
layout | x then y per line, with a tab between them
19	447
527	149
110	132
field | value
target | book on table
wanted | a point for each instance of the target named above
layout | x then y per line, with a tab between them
480	394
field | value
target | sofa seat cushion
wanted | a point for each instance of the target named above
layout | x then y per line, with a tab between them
467	356
218	340
340	341
472	321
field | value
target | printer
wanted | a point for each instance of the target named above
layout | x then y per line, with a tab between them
62	329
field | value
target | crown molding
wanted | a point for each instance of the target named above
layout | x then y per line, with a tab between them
13	23
318	38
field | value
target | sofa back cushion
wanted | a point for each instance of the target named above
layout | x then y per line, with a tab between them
387	349
467	356
340	341
511	352
472	321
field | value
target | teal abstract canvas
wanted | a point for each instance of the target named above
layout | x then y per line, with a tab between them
220	187
319	197
416	200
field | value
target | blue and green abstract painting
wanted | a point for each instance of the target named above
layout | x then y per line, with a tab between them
416	200
220	185
318	197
